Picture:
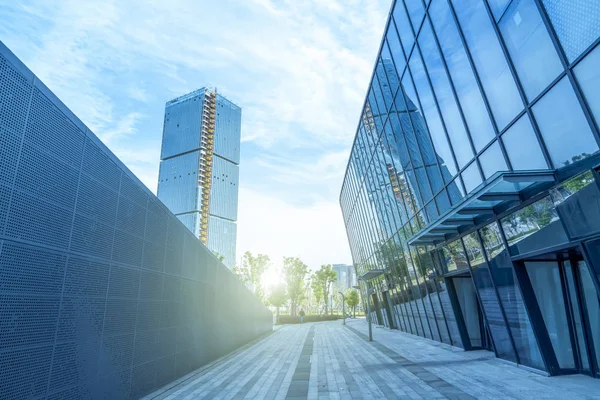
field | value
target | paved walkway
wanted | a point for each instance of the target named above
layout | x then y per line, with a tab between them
329	361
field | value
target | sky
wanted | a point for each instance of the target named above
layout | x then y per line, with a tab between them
299	69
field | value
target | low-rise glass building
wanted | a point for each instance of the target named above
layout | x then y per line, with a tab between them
472	197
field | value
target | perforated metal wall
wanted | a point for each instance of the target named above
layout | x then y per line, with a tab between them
103	292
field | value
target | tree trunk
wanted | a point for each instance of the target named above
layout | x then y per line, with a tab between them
354	311
277	317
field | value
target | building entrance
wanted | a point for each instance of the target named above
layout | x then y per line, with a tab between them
568	302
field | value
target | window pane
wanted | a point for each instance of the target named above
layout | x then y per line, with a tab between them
456	191
565	130
546	282
489	299
522	146
489	60
469	96
492	160
510	296
444	94
471	177
530	47
578	200
577	23
388	80
416	12
498	7
432	117
588	76
454	256
406	34
534	227
442	202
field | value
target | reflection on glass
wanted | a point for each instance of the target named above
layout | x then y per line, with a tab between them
588	76
456	192
403	25
545	279
522	146
395	49
449	312
469	308
471	177
442	202
432	117
492	160
388	79
473	248
576	23
489	60
505	280
454	256
533	227
592	302
416	12
576	317
498	7
444	94
530	47
578	200
468	92
563	125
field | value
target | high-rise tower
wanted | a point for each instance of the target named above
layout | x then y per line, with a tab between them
199	168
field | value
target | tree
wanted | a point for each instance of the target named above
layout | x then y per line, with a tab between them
294	272
352	299
278	297
325	277
220	257
317	289
251	271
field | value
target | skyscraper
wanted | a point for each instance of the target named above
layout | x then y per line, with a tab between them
199	168
471	193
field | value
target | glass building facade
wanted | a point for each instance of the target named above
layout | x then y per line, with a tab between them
199	168
471	197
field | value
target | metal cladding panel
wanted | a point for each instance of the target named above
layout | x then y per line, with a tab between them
222	239
228	126
105	293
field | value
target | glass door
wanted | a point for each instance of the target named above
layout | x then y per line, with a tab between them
562	288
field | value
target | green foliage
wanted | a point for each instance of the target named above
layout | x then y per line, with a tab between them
278	297
252	270
317	289
220	257
324	278
352	299
290	319
294	272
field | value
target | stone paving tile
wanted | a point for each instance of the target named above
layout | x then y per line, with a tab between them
329	361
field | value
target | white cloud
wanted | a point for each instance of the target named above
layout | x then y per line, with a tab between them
299	70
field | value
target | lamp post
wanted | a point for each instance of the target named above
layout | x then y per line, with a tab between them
368	310
343	308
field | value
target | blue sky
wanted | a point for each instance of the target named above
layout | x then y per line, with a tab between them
298	68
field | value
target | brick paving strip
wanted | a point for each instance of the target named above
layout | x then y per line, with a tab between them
299	387
450	391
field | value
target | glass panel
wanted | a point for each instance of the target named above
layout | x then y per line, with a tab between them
504	277
578	201
454	256
492	160
489	60
546	282
395	49
468	305
430	111
489	299
588	76
442	202
403	25
448	312
565	130
577	24
416	12
456	192
522	146
467	90
444	94
498	7
388	80
592	303
530	47
534	227
576	315
471	177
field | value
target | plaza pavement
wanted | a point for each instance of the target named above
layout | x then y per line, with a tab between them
327	360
